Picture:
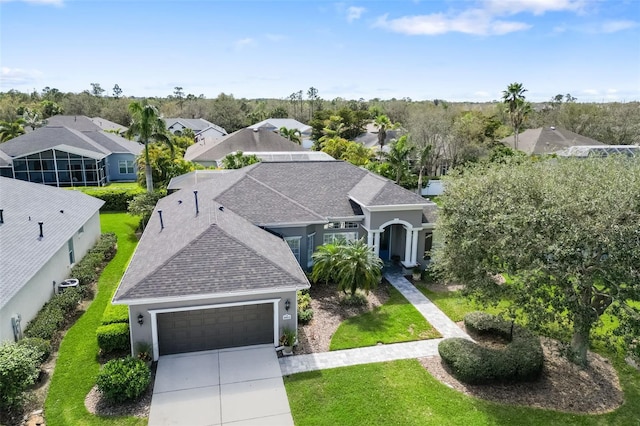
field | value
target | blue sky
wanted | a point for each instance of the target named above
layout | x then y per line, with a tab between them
454	50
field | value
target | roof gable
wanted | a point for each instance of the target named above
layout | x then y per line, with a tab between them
546	140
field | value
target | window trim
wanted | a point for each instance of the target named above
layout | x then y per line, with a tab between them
310	246
299	240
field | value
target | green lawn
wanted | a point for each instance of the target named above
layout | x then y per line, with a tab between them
404	393
395	321
77	365
454	305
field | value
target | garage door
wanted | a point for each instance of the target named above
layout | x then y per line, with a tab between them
205	329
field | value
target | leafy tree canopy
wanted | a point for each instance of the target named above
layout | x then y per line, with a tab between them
564	232
238	160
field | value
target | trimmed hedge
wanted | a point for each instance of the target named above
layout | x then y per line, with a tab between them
40	347
115	200
521	360
113	337
86	271
53	314
114	314
124	379
305	313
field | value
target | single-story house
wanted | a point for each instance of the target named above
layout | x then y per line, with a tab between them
220	261
70	151
246	140
276	124
547	140
204	131
44	231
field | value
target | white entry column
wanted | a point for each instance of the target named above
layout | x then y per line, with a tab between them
414	247
376	242
407	246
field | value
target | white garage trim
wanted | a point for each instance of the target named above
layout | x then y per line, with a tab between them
155	312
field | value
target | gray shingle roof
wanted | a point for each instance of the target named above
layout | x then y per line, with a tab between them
244	140
195	124
210	253
22	253
546	140
107	125
77	122
52	136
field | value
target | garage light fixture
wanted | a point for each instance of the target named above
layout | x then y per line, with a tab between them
140	319
287	304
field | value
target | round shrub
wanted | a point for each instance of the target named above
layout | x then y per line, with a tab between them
19	369
123	379
40	347
521	360
305	316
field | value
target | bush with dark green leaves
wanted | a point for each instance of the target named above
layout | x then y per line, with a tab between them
53	314
113	337
86	271
124	379
40	347
521	360
19	369
115	314
115	200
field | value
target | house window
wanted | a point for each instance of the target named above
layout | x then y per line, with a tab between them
125	166
341	225
72	255
339	237
294	245
311	242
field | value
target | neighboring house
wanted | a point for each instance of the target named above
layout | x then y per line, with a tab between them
70	151
220	261
44	231
276	124
547	140
246	140
109	126
204	130
370	138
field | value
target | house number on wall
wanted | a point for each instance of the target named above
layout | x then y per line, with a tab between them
286	317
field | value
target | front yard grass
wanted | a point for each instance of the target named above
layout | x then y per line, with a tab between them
395	321
77	364
403	392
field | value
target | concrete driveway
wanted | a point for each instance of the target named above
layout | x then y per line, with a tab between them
237	386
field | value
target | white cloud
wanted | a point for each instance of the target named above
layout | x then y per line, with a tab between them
473	21
354	13
18	76
615	26
591	92
537	7
611	91
244	42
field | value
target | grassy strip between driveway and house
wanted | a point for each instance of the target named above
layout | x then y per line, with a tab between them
77	365
403	392
395	321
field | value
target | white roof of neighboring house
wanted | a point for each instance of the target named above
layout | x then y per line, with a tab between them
277	123
23	205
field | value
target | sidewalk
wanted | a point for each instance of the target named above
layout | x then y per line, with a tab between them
418	349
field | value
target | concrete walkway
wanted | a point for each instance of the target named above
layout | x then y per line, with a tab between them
418	349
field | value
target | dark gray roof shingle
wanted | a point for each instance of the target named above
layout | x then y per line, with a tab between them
546	140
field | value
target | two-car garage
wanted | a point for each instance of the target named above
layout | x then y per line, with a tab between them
214	327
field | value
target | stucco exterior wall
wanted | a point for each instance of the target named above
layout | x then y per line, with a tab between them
113	168
144	332
373	220
40	288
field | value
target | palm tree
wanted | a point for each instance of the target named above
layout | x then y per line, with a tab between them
11	129
32	119
147	124
514	98
423	158
383	123
293	135
351	266
398	157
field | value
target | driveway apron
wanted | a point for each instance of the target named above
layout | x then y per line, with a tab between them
236	386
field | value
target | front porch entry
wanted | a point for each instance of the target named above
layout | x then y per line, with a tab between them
396	238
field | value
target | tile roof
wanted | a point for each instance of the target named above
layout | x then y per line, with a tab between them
546	140
213	252
21	251
244	140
